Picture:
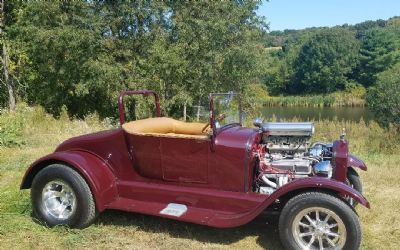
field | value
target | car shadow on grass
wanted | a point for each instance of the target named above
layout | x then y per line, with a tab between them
264	228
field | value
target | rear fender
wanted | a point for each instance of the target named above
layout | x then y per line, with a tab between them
354	161
93	169
290	190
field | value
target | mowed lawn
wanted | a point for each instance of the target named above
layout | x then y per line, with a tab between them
120	230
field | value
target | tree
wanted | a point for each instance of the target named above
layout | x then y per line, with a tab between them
324	62
208	47
57	38
223	45
383	98
380	49
7	78
362	28
280	70
82	53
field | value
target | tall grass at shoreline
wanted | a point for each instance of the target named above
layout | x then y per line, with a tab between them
354	96
35	133
314	101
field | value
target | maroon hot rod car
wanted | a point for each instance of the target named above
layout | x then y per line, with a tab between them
218	174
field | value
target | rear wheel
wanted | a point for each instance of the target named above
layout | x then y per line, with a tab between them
316	220
60	196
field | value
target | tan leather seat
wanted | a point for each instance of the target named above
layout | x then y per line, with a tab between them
166	127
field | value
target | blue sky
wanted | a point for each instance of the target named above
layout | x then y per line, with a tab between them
298	14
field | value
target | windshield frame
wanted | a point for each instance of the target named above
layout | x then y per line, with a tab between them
212	111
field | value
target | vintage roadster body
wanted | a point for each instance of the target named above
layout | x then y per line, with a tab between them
218	174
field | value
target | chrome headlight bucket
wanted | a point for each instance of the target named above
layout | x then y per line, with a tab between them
323	169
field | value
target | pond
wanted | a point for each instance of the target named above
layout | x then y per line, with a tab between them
315	113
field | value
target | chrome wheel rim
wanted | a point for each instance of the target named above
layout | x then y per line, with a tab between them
319	228
58	200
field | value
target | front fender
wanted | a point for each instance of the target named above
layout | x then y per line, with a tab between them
93	169
316	184
354	161
293	188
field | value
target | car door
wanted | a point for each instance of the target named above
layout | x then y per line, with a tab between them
185	159
145	153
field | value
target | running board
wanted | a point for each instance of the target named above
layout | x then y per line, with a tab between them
205	206
191	214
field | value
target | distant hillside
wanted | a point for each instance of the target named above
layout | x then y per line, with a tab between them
322	60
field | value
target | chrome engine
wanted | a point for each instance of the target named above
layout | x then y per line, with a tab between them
285	154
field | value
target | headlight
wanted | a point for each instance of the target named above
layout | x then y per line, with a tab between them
323	169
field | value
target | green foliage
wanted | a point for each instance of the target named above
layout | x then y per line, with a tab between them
379	51
344	60
81	54
36	123
77	56
11	127
68	63
9	58
281	66
324	61
362	28
384	97
254	97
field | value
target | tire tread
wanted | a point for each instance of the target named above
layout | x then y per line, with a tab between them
85	219
319	196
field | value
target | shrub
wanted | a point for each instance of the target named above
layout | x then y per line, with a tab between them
33	126
11	127
384	97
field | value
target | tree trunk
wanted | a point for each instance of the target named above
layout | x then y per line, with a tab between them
198	111
7	77
184	111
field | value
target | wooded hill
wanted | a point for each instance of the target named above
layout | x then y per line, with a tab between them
323	60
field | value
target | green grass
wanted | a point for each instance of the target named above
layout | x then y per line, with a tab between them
119	230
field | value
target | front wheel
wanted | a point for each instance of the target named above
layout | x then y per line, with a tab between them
317	220
354	181
60	196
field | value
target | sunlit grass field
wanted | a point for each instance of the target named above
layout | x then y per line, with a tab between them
31	133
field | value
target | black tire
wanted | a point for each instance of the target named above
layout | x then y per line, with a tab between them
81	214
354	180
310	200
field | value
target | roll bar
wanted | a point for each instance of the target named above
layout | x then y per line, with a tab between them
121	107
